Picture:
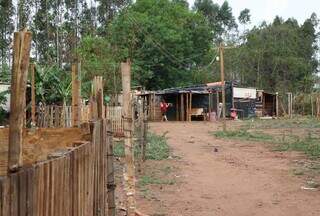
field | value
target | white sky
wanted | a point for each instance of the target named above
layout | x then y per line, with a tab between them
267	9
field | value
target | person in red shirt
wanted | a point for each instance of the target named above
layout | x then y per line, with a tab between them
164	108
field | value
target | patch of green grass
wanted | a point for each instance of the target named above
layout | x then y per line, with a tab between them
244	135
156	148
118	149
297	122
309	146
150	180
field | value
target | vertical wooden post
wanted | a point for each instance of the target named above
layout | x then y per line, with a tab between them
154	106
97	88
21	55
218	101
182	107
76	100
187	106
110	173
277	104
224	126
177	107
190	105
209	103
33	96
129	174
141	130
318	106
145	131
311	101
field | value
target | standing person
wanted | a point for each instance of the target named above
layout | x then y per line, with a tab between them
164	107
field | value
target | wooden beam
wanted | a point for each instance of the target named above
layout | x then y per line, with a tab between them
190	104
224	126
277	104
33	96
97	87
110	173
76	98
181	107
177	107
21	55
129	174
187	106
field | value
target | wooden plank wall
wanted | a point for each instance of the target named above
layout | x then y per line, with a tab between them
73	184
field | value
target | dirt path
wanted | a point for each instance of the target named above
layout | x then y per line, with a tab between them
240	179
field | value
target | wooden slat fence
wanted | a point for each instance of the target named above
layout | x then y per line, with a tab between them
114	114
54	117
72	184
61	116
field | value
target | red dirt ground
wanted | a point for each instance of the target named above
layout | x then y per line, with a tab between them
240	179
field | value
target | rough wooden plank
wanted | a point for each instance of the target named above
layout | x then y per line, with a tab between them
30	191
129	174
21	54
33	95
14	194
22	192
110	173
76	98
5	196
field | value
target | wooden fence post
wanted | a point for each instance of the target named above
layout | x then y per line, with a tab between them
110	172
141	130
76	98
129	174
277	104
33	96
21	55
145	130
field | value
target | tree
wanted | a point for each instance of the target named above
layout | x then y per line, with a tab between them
97	59
244	17
24	11
165	40
220	18
107	10
277	57
6	30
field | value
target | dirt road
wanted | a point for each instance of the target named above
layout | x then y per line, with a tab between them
238	179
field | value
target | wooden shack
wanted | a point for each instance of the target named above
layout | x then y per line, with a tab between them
187	103
201	101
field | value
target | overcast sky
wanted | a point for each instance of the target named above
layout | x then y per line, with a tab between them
268	9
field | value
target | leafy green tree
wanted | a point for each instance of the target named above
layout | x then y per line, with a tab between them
107	10
165	40
97	59
277	57
244	17
53	85
220	18
6	30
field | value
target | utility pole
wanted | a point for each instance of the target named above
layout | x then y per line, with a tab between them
221	50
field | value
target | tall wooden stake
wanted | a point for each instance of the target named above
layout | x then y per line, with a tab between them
21	55
97	87
224	126
129	174
277	104
145	130
110	172
76	98
33	96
